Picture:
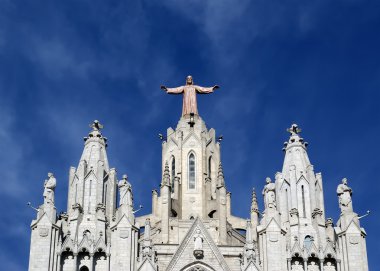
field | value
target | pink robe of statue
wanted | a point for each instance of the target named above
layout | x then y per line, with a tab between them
189	96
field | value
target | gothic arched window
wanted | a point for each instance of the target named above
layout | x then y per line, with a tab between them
308	241
173	173
191	171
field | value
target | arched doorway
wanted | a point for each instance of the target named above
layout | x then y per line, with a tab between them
197	266
84	268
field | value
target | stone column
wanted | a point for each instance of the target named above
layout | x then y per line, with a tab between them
305	264
289	264
75	256
108	262
91	265
176	187
59	256
321	264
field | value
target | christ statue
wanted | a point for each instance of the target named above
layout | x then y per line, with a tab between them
189	95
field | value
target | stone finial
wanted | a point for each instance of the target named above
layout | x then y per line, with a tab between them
96	125
96	133
220	175
294	129
254	204
166	175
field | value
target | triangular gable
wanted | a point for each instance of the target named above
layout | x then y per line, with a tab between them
189	136
313	250
353	227
172	141
91	172
100	244
300	179
43	219
123	220
297	249
273	224
251	267
85	244
329	250
187	247
284	184
68	244
146	265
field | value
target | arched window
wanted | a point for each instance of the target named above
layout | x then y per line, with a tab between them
84	268
209	166
191	171
303	201
173	173
308	241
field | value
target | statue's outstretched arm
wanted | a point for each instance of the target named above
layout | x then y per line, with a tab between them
177	90
205	90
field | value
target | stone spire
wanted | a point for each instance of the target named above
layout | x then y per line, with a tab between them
299	191
254	214
92	186
295	152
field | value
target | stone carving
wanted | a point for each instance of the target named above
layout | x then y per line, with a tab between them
189	94
49	187
297	266
329	267
198	244
125	190
313	266
269	194
344	193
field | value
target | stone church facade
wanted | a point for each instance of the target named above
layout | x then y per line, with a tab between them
191	227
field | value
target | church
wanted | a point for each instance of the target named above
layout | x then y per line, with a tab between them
191	226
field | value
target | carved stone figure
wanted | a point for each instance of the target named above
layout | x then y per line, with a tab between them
329	267
198	244
189	94
125	190
269	194
198	240
313	266
49	187
297	266
344	193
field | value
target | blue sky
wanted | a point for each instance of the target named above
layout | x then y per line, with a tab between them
66	63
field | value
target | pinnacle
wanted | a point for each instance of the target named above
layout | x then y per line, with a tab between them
96	132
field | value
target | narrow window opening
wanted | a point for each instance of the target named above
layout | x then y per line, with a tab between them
303	201
209	166
173	173
191	171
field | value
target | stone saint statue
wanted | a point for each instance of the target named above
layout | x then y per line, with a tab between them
49	187
297	266
344	193
198	240
125	191
269	194
313	266
329	267
189	95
